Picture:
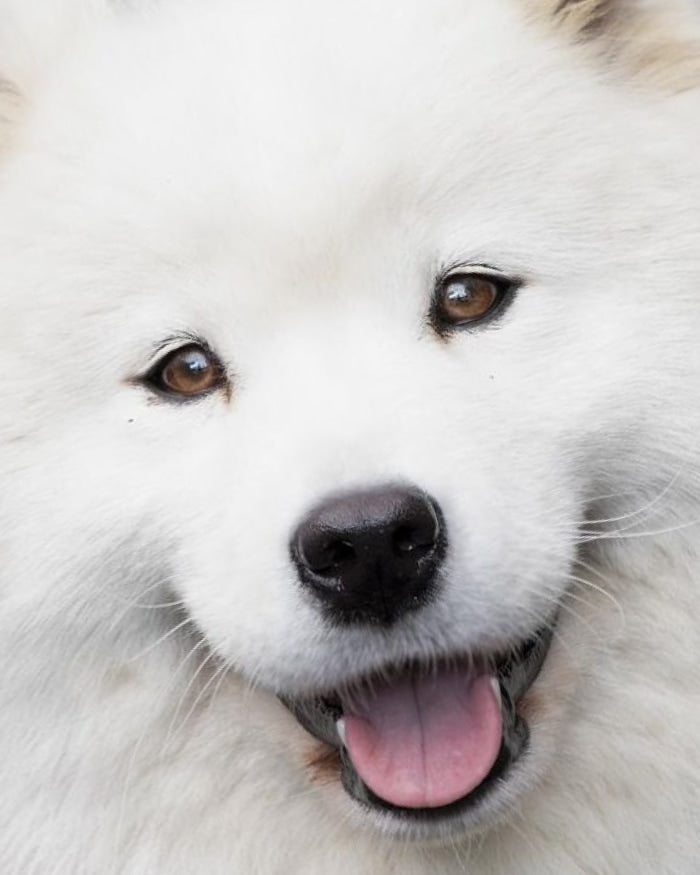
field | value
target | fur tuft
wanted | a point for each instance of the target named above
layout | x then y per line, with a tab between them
585	17
658	42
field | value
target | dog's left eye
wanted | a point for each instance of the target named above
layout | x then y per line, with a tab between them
465	298
188	372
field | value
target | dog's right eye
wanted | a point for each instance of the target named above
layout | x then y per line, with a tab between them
189	372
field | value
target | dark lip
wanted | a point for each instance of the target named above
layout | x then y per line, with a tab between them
516	673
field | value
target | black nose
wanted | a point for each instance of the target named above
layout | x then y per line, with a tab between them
371	556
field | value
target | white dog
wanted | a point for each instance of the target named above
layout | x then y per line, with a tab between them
350	437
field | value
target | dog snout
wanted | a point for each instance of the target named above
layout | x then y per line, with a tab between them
371	555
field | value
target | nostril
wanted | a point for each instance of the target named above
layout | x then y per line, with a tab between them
341	552
408	539
335	556
324	553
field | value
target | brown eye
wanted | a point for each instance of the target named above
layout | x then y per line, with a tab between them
187	372
464	298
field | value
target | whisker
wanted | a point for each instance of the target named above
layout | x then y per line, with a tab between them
591	569
201	643
128	605
201	693
187	621
551	623
222	672
623	535
645	508
599	589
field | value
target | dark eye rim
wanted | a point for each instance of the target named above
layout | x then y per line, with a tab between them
153	378
507	288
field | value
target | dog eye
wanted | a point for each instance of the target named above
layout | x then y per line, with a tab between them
465	298
188	372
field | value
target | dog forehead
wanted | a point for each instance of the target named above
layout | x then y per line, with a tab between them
271	111
316	142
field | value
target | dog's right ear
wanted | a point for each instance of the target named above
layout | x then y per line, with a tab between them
658	40
34	35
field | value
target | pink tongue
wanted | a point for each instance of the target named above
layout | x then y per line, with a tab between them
425	742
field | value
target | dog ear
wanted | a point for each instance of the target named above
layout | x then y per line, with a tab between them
659	39
34	35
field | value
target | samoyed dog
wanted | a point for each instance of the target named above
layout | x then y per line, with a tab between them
350	437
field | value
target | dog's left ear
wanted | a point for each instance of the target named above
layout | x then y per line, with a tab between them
657	39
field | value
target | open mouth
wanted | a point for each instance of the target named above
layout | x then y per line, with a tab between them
427	741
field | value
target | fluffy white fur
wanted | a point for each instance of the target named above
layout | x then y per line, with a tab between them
285	180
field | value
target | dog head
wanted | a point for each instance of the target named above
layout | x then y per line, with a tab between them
343	323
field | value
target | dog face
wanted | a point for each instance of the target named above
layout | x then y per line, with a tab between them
279	295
